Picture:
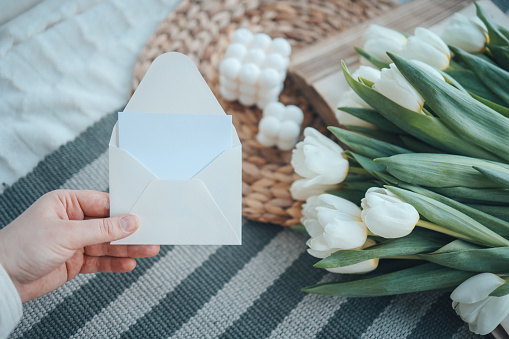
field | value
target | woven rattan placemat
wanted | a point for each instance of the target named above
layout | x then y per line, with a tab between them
202	30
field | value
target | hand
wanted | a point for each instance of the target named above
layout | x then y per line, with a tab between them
65	233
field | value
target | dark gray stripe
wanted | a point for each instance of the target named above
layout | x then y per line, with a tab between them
354	317
55	169
186	299
77	309
277	302
439	322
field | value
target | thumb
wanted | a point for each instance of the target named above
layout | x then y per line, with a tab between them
98	231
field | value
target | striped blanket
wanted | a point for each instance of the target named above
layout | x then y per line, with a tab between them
248	291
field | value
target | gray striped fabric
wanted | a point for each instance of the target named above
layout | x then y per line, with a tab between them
248	291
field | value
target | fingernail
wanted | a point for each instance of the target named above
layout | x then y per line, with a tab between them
129	223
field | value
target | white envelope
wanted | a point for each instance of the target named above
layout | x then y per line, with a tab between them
206	210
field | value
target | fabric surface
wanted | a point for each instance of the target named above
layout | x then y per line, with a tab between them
248	291
10	304
63	66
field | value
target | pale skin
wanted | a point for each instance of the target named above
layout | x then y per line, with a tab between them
63	234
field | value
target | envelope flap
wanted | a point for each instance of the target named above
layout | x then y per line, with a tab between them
173	84
182	212
128	178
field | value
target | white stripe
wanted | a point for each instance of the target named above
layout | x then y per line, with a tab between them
310	315
244	288
407	310
146	292
89	177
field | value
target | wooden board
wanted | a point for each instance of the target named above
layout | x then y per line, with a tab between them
317	69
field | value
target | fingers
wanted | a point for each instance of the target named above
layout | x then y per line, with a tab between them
89	203
131	251
107	264
84	233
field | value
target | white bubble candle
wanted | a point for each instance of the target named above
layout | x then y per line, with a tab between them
280	126
254	68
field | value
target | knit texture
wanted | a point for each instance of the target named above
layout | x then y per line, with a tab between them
248	291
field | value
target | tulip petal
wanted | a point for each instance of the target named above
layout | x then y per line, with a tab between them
313	227
492	314
470	312
391	220
345	234
340	204
361	267
300	190
476	288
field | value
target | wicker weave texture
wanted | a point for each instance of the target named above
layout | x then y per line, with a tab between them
202	30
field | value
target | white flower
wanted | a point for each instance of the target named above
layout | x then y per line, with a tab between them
361	267
472	303
427	47
319	160
469	34
387	215
393	85
350	99
380	40
333	224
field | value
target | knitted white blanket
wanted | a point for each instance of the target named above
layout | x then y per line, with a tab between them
63	66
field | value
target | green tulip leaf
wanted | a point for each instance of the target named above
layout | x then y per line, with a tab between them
494	260
497	176
364	145
495	78
375	61
426	128
417	145
500	212
501	55
377	134
487	196
373	117
495	224
299	229
501	290
462	113
419	241
438	170
496	37
470	82
366	163
496	107
453	220
425	277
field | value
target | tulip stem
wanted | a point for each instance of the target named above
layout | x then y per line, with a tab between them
409	256
357	170
441	229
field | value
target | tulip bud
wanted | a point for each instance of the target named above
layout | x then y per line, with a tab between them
473	303
467	34
351	99
427	47
393	85
361	267
386	215
320	161
380	40
333	224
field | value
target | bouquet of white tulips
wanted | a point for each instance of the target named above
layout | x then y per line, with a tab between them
421	202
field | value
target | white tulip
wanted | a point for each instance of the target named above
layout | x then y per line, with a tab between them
350	99
333	223
386	215
380	40
361	267
427	47
472	303
393	85
469	34
319	160
300	190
